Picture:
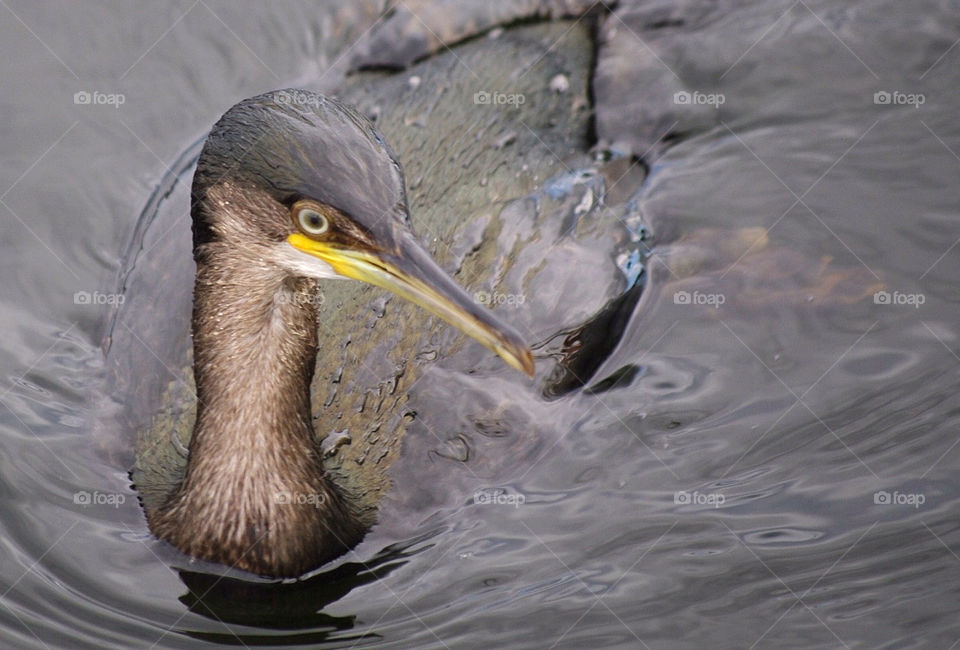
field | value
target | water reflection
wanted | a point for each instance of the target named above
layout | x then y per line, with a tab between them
584	349
291	605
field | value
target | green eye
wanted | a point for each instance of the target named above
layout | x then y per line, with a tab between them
312	222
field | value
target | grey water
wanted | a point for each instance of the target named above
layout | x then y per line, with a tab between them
767	454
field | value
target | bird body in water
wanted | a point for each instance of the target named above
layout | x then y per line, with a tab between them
286	195
521	210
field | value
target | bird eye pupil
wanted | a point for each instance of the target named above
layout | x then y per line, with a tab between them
312	222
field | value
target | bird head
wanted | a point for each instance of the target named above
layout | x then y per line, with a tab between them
315	187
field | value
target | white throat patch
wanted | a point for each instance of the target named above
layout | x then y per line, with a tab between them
303	264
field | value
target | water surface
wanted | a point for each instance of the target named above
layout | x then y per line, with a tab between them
766	458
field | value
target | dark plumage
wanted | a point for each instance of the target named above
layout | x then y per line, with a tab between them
254	494
280	143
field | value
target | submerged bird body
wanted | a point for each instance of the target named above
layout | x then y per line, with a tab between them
286	194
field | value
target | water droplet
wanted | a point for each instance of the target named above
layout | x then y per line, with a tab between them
427	355
337	439
505	140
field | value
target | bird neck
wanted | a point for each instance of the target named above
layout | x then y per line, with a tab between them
255	342
254	494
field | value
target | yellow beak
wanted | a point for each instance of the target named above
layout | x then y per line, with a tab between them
414	275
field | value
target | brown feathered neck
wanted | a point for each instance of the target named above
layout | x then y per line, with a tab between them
254	495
